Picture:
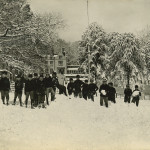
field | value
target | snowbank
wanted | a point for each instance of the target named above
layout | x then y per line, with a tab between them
76	124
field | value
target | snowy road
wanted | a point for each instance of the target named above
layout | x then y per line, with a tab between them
76	124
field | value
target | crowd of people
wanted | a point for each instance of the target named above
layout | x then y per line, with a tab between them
38	88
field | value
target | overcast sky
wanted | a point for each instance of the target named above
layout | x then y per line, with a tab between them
113	15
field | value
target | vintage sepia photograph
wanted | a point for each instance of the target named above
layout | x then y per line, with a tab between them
75	74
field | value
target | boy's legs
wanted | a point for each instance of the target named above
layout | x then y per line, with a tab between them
84	96
27	97
101	100
80	94
3	96
42	100
129	99
47	95
106	101
15	97
64	90
31	93
39	100
20	98
7	96
92	97
137	101
52	94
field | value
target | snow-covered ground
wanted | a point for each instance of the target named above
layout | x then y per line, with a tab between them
76	124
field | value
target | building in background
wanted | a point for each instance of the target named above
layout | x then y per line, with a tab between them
57	62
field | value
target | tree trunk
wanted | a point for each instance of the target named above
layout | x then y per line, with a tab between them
128	78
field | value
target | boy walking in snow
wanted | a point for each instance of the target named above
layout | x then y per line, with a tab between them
136	95
49	88
5	87
29	88
35	96
92	89
70	87
104	89
77	87
127	94
112	93
85	90
18	90
41	91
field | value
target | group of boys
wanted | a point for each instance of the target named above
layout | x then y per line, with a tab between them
87	91
82	89
38	87
135	94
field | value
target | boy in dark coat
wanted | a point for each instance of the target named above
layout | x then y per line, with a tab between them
49	88
18	90
70	87
77	87
136	95
29	88
5	87
127	94
35	96
41	91
54	81
104	89
62	88
92	89
112	93
85	90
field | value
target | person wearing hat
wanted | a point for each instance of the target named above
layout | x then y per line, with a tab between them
5	87
85	89
127	94
104	89
55	82
49	87
70	87
77	86
18	90
29	88
35	96
136	95
62	80
111	93
92	90
41	91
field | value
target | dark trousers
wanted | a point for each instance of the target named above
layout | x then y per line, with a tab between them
85	95
105	99
91	96
127	98
50	90
19	95
62	89
41	98
78	94
5	94
136	100
35	98
31	94
112	99
70	92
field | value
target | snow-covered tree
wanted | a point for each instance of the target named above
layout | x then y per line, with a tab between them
126	58
95	37
25	37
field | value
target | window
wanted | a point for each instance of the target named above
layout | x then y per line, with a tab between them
60	57
51	62
51	70
60	63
